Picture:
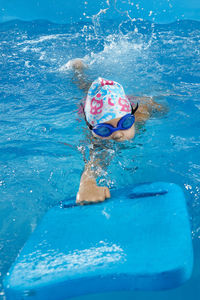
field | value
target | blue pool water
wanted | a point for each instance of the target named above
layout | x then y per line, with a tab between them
43	139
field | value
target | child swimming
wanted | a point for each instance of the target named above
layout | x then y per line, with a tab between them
109	115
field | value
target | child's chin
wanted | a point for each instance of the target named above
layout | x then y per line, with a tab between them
124	139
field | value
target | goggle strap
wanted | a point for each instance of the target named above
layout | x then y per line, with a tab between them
133	110
88	124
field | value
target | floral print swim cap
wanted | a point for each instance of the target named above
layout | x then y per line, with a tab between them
105	100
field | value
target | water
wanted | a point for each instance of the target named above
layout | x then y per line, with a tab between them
43	138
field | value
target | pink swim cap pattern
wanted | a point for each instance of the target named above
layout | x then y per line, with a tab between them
105	100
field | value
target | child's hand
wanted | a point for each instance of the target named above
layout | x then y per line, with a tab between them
91	193
77	64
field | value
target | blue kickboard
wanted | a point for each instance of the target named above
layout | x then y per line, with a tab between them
140	239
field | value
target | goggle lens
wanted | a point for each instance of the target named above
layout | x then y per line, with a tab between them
128	122
103	131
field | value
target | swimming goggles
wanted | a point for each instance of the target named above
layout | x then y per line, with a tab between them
105	129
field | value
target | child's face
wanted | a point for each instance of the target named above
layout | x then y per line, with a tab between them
119	135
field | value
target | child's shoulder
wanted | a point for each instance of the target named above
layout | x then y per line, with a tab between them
146	106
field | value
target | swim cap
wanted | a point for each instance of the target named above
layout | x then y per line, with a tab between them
105	100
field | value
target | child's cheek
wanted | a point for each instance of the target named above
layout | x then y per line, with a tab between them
130	133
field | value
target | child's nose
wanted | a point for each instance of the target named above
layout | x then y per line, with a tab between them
117	135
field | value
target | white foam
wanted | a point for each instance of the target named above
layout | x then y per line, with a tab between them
65	67
27	64
42	39
42	55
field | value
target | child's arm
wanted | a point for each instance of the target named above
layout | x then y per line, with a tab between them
89	192
79	77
